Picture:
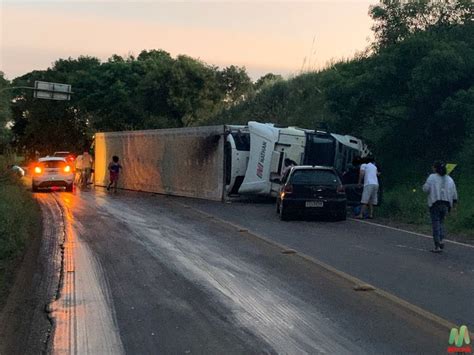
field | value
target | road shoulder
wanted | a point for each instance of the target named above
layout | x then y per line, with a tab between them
24	323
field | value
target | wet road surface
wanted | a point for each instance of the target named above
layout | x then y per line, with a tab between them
145	274
393	260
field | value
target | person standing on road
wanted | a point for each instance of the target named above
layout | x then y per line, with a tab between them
114	171
86	168
350	180
442	196
369	173
78	170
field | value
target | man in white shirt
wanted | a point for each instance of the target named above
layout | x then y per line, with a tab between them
369	173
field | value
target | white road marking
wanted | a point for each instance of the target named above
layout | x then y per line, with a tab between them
410	232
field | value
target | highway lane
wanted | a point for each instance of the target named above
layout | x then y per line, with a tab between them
145	274
393	260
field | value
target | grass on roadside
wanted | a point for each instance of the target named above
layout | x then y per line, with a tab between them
408	204
20	220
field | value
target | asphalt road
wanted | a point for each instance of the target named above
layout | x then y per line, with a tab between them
146	274
396	261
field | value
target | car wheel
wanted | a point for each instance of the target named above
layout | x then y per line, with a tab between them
278	206
34	188
69	188
283	213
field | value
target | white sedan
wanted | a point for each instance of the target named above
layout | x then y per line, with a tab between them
52	172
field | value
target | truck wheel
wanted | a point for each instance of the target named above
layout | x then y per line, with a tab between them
69	187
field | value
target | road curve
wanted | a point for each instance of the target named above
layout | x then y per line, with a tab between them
144	274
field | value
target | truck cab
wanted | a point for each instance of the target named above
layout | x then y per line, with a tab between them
270	146
257	168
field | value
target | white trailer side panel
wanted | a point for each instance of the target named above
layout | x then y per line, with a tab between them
184	161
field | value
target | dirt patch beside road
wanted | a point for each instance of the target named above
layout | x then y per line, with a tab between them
24	324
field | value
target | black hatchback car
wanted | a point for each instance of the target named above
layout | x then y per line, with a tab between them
313	191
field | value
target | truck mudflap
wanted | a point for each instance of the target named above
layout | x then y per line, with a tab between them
183	162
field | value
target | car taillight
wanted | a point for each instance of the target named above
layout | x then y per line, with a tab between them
67	169
38	170
340	190
288	189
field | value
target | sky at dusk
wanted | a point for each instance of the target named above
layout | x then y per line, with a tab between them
282	37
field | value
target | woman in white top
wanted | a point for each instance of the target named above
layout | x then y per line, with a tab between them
442	196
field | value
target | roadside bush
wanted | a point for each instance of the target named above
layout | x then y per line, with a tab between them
407	203
20	219
462	220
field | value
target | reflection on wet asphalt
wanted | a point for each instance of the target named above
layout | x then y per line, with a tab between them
82	313
142	274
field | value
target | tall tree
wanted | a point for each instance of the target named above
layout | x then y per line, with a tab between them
235	83
267	80
395	20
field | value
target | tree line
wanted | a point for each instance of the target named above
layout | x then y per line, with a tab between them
153	90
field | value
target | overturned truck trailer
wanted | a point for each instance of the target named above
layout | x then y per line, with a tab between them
218	161
183	162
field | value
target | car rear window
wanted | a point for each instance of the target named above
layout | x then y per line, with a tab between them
52	164
314	177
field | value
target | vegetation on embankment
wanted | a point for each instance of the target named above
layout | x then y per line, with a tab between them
20	220
407	204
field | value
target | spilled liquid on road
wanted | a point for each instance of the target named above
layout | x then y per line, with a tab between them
82	313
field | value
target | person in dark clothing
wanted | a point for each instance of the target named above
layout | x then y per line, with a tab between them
351	175
114	171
